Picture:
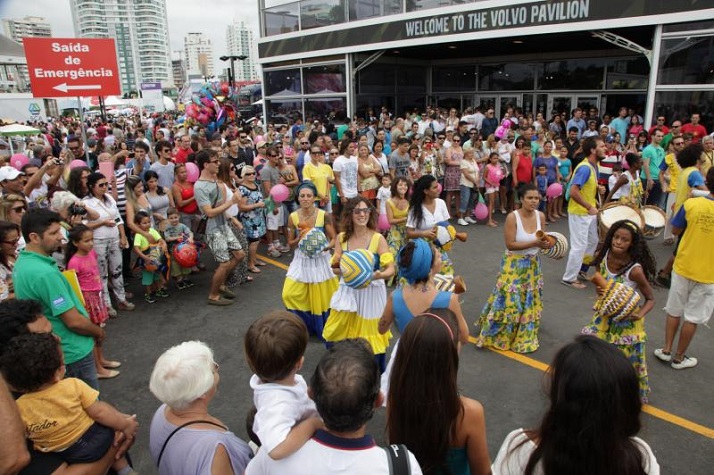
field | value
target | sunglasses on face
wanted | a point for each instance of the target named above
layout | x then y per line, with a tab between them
19	209
361	211
273	156
165	150
249	174
101	185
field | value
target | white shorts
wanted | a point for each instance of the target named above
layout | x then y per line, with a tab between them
275	221
491	190
689	299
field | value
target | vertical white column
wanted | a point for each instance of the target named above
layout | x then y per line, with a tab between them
654	70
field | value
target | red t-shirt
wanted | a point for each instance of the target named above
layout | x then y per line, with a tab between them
524	173
698	131
182	155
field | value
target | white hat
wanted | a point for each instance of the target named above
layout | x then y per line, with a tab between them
449	129
9	173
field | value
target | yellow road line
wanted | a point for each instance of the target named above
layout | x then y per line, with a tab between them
539	365
651	410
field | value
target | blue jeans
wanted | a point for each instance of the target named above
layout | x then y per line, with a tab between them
85	370
468	198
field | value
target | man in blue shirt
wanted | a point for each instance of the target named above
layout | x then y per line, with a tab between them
652	160
577	121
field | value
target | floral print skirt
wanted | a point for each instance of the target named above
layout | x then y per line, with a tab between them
511	317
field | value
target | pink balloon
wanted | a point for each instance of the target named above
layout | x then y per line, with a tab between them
383	223
440	188
76	163
19	160
257	138
192	172
554	190
280	193
481	211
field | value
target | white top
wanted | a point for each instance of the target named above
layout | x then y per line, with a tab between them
326	453
107	209
279	407
611	184
523	236
383	194
471	167
429	220
232	211
348	170
516	449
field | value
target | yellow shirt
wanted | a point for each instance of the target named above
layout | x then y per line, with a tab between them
674	171
588	191
320	176
55	417
695	253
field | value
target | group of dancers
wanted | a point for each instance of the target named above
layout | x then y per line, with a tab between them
411	257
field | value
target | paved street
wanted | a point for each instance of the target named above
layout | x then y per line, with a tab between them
511	390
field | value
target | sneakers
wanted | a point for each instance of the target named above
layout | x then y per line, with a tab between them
470	220
111	312
272	252
188	283
282	248
162	293
126	305
661	355
462	222
686	362
150	298
181	285
663	279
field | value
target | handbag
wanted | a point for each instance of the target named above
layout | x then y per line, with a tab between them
201	226
398	459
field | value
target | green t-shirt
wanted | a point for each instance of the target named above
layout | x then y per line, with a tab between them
36	277
142	243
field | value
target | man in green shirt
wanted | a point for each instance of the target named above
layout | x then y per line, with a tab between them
36	276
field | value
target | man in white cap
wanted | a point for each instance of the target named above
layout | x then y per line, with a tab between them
11	180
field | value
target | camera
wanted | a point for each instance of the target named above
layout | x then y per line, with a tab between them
77	210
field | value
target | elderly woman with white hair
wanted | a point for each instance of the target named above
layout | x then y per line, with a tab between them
184	438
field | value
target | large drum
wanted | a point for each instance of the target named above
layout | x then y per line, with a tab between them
655	219
614	212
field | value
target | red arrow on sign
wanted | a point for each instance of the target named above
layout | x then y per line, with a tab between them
71	67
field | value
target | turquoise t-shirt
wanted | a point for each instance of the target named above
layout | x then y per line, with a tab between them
36	277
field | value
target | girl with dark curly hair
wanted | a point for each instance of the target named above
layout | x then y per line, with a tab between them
626	258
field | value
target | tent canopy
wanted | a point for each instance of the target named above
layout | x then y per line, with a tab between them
18	129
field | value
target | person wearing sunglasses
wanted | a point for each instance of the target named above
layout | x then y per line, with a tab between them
12	208
9	238
164	167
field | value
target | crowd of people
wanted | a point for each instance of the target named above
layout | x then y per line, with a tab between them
385	196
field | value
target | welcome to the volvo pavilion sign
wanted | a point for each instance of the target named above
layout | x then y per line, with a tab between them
475	21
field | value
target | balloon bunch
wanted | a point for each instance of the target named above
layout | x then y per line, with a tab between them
212	105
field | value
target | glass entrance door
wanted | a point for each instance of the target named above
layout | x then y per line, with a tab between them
588	102
506	101
560	103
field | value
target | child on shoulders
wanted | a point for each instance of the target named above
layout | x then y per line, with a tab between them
286	417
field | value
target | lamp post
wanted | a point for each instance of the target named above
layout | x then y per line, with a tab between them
231	72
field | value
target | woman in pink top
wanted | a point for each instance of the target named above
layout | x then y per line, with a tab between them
81	258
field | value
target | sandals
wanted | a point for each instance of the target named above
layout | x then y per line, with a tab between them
254	270
576	284
110	375
260	263
492	225
111	364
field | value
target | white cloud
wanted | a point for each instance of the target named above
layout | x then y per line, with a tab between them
207	16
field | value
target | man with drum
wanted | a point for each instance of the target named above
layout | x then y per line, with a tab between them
583	210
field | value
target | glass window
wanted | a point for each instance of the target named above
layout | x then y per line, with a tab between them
377	78
410	103
691	26
571	74
315	13
281	19
411	79
505	77
631	73
364	102
453	78
323	107
324	79
361	9
687	61
282	111
418	5
680	105
285	82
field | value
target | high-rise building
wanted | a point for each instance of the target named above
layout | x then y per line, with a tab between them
29	26
141	32
178	68
240	41
199	54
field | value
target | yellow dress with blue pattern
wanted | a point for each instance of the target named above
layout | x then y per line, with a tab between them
310	283
355	313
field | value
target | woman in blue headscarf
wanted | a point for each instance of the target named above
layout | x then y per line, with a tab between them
417	262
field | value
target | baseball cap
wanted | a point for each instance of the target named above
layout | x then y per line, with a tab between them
449	129
610	139
9	173
260	144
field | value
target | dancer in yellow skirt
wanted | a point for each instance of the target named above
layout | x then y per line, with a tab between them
355	313
310	282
